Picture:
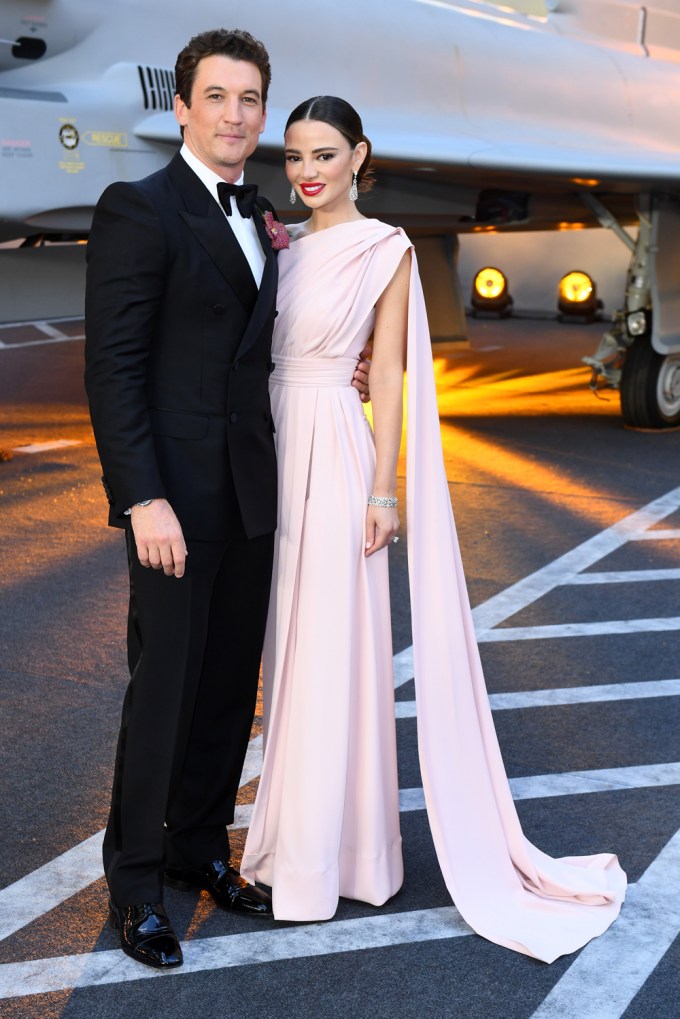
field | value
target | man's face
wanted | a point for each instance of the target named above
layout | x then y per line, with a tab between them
226	117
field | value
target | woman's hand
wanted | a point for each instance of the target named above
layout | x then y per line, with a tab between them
381	526
361	379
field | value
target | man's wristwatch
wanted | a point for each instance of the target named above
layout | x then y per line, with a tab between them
144	502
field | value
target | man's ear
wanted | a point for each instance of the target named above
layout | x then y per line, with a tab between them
180	111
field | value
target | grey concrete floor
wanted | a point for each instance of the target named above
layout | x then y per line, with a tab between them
536	466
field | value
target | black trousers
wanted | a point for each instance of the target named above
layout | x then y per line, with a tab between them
194	648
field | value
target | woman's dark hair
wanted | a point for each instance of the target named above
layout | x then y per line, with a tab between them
236	44
345	119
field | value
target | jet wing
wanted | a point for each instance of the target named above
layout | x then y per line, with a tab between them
538	98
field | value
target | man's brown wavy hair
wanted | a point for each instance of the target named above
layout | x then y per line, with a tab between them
234	43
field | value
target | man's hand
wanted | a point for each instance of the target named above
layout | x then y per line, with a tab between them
159	539
360	379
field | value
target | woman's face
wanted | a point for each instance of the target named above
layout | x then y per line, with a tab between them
320	162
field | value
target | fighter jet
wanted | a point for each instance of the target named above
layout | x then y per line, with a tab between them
522	115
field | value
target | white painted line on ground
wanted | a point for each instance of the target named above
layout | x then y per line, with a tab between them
24	901
52	333
600	982
44	889
37	893
242	815
574	783
40	343
585	694
668	535
43	447
571	783
610	971
252	766
46	976
516	597
626	577
558	630
43	324
49	886
563	571
30	897
567	695
411	799
534	787
403	666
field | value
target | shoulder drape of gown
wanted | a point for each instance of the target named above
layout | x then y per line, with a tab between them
505	888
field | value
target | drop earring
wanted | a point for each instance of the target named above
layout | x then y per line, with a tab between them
293	196
354	190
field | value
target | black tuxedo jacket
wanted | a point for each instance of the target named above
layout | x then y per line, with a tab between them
178	356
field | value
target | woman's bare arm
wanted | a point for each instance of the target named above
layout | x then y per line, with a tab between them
387	386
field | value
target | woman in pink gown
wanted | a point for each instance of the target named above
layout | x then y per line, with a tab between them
326	819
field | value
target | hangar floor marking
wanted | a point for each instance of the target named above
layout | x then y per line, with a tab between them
559	630
42	976
41	331
567	695
603	980
36	894
637	526
42	890
44	447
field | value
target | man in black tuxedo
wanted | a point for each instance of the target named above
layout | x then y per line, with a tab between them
180	306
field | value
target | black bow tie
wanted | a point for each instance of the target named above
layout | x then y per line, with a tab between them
245	195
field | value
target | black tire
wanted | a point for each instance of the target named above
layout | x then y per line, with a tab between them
650	387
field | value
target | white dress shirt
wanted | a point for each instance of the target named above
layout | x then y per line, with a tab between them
245	230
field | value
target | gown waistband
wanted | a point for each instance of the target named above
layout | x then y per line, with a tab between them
313	371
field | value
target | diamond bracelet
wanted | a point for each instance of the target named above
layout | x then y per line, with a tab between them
387	501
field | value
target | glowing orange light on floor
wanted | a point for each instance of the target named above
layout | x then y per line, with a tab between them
490	282
464	391
576	287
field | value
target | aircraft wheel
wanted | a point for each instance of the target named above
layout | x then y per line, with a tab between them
650	387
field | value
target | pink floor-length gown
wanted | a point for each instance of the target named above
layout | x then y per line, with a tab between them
326	818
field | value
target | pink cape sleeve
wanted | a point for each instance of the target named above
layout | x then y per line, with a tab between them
505	888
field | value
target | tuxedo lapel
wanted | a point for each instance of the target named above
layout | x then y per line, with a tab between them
217	238
211	228
267	292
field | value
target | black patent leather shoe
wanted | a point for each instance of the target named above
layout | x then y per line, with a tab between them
225	884
146	934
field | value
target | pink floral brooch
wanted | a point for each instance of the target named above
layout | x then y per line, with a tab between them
276	231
